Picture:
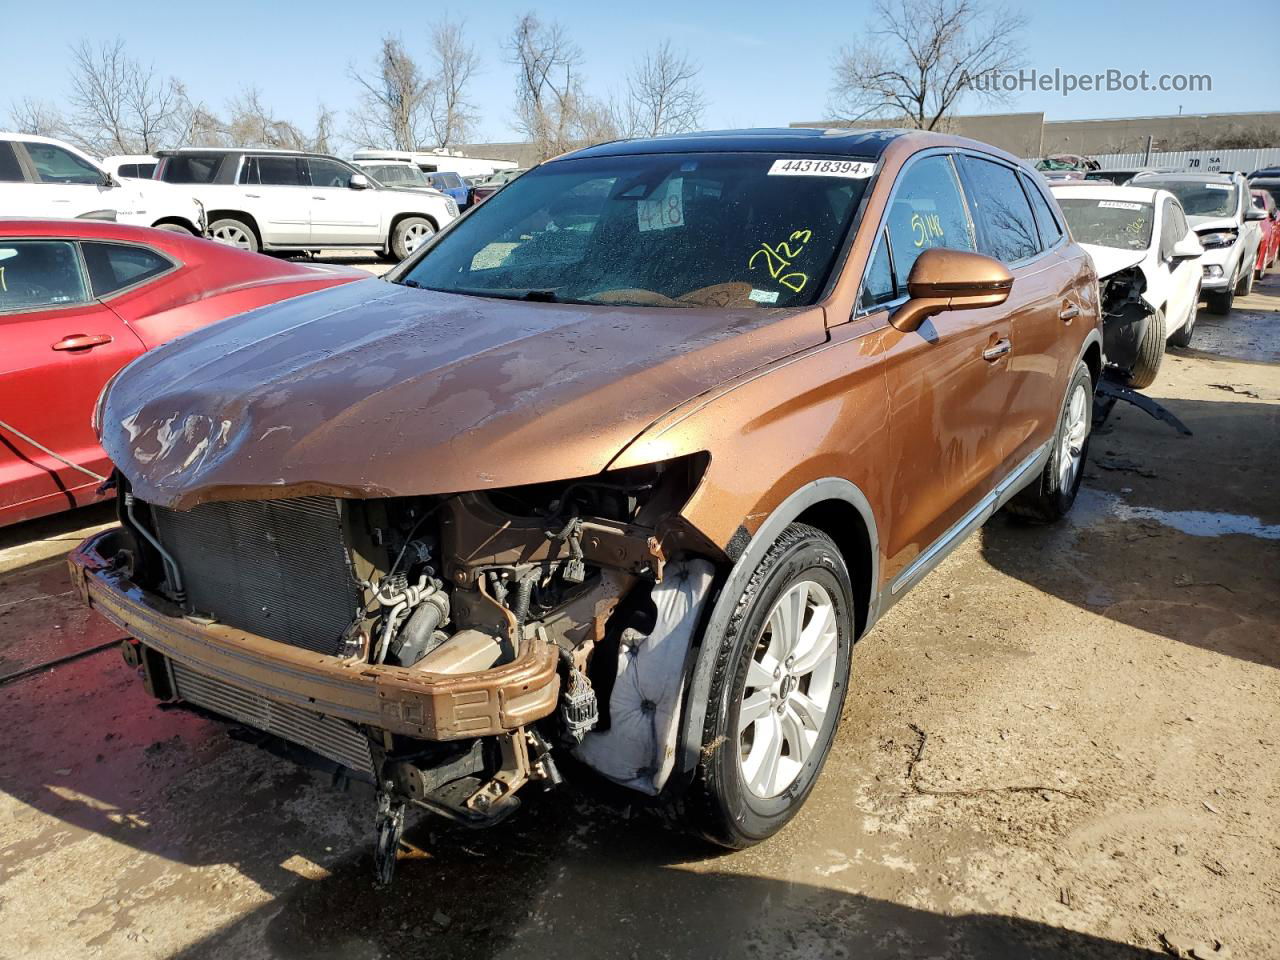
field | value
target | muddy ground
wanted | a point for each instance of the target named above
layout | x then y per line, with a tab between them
1064	743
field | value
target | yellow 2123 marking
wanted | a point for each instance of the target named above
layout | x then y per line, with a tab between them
779	257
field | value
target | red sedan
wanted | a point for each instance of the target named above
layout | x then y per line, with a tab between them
1269	248
81	298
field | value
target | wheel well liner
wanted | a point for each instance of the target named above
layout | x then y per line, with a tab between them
842	511
179	221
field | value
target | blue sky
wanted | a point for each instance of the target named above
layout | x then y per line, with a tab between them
762	63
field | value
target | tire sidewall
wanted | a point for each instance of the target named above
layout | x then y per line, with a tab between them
398	248
1063	499
254	246
753	818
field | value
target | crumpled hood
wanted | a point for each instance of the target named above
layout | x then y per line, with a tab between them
371	389
1109	260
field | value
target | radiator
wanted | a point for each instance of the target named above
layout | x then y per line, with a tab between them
338	740
280	569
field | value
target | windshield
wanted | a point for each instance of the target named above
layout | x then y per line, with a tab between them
668	230
1109	223
1198	199
394	173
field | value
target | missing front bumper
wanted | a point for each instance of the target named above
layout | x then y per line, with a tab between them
399	700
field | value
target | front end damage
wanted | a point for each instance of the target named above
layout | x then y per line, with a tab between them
445	649
1125	316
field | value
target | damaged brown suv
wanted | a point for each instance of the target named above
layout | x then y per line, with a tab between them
617	467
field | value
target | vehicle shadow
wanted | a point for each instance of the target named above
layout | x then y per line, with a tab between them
1177	536
612	889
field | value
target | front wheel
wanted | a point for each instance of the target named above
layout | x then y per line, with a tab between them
1182	336
409	234
175	228
1220	303
1150	353
234	233
1052	495
776	694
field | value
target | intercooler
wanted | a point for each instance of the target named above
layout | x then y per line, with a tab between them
330	737
280	569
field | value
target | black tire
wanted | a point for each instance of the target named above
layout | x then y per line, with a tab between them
175	228
1244	286
1220	303
234	233
1150	353
1046	499
719	804
1182	336
405	235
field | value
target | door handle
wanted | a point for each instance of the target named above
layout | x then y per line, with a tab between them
997	350
82	341
1068	313
254	196
318	198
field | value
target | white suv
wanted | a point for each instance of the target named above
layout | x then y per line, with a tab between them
286	200
40	177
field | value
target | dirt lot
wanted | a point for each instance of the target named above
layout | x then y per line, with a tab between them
1064	743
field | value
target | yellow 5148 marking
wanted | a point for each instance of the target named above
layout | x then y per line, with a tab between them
925	228
779	257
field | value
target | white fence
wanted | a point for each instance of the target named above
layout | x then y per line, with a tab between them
1208	161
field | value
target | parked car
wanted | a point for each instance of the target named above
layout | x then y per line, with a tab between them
1122	177
1269	247
1067	161
1147	258
133	166
79	299
491	184
286	200
407	176
438	160
1270	184
655	438
1268	172
1219	209
42	177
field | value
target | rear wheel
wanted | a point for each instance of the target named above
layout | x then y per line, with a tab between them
1150	353
234	233
1051	496
409	234
776	694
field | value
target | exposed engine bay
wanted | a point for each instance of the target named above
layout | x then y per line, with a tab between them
565	581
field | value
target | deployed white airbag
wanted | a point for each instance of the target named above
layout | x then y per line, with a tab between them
639	748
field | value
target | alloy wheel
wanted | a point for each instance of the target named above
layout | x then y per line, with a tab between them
233	235
788	689
1074	432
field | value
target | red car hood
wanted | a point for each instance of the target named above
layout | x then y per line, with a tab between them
371	389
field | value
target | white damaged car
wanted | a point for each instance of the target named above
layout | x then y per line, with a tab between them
1147	258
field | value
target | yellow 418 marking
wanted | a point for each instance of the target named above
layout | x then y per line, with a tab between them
780	257
925	228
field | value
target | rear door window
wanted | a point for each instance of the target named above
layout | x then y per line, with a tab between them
1006	227
273	171
114	266
40	275
1050	229
927	211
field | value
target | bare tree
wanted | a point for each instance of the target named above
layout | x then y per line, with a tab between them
549	96
451	116
663	95
393	99
920	61
37	117
118	105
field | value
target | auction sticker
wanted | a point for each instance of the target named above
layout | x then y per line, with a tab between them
1216	186
1119	205
817	167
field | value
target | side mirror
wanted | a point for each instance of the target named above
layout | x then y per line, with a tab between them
359	181
1188	248
1253	213
951	280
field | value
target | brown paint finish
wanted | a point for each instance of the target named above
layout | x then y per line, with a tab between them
393	391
